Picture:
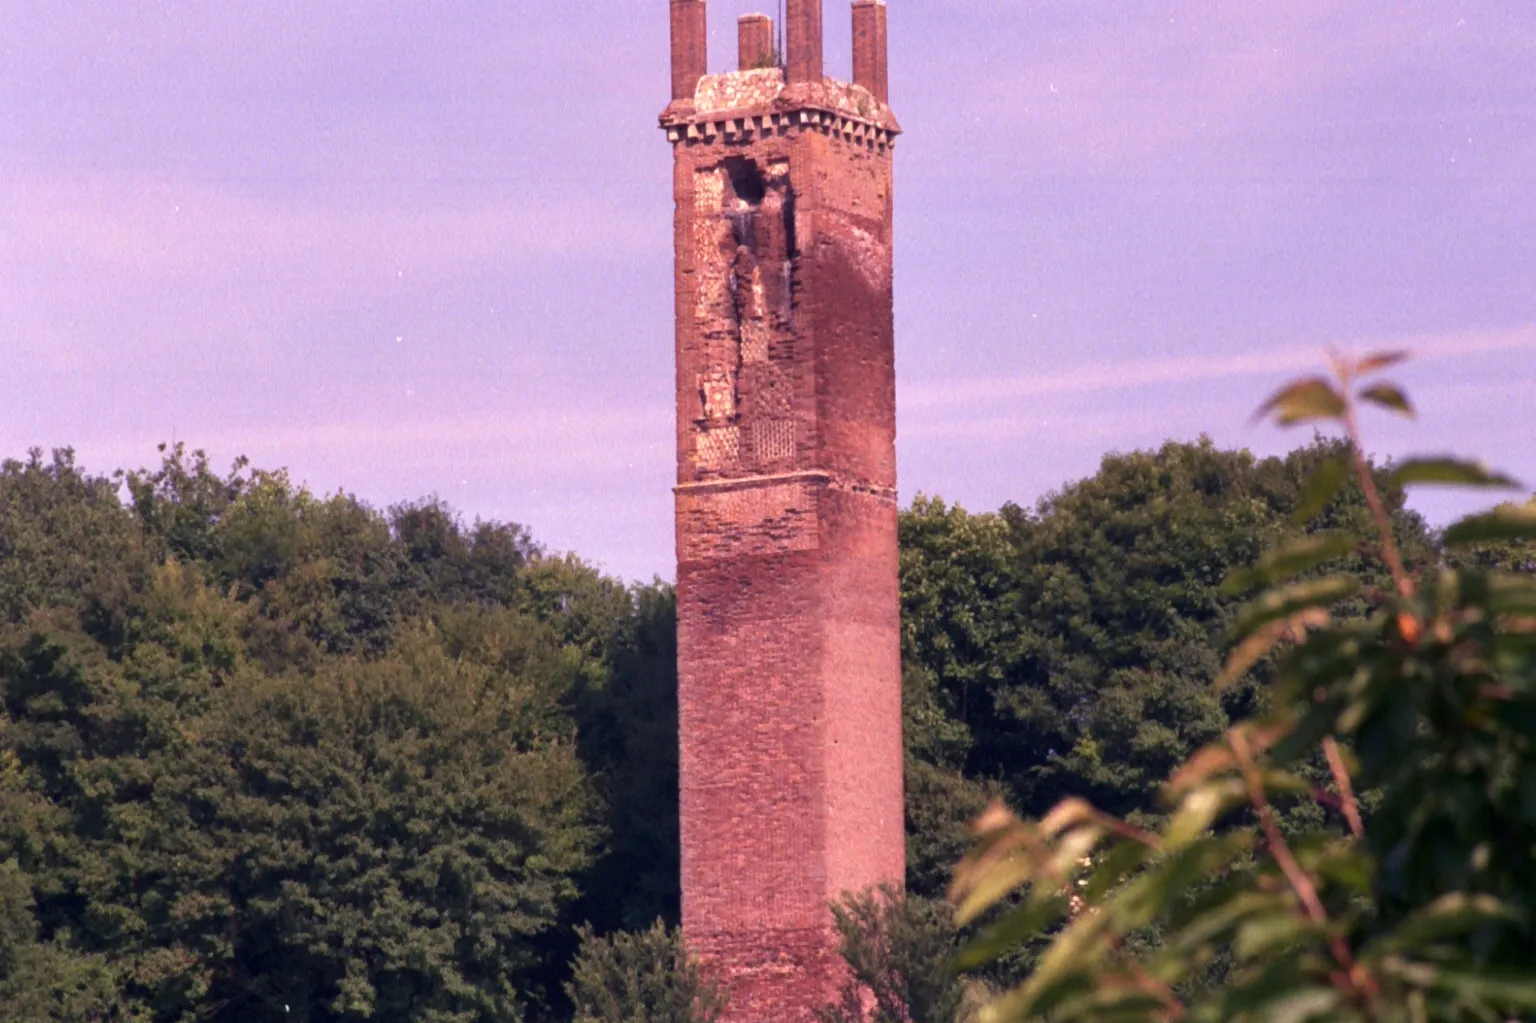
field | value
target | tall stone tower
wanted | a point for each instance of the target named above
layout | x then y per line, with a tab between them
788	620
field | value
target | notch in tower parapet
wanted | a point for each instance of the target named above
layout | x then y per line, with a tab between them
690	47
870	66
803	41
754	41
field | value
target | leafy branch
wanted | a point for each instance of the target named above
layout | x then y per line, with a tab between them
1422	909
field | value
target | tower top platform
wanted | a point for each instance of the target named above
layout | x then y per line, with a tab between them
753	102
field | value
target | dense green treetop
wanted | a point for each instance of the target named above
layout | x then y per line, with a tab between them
1070	648
265	755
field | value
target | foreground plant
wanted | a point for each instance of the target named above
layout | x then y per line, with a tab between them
1416	904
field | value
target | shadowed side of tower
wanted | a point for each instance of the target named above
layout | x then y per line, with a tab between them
788	617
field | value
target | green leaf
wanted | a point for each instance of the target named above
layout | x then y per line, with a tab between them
1110	869
1509	522
1252	650
1011	930
1350	867
1269	933
1511	594
1077	949
995	883
1448	472
1168	881
1319	1003
1223	916
1112	1004
1286	601
1504	988
1200	807
1279	991
1326	481
1308	733
1291	560
1301	401
1452	914
1388	396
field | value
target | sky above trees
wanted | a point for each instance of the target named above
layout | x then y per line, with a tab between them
425	248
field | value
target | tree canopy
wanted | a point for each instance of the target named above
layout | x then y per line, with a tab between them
265	755
1070	648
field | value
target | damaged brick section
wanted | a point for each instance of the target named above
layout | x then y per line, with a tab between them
788	620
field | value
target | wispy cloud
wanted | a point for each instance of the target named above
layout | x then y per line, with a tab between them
530	441
158	229
92	270
1142	373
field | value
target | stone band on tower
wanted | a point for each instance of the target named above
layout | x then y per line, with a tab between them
788	618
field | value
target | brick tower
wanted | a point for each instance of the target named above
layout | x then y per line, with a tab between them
788	620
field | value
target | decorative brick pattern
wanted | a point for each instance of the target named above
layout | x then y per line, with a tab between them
718	388
773	440
718	446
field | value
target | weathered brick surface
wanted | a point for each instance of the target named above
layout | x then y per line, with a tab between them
789	671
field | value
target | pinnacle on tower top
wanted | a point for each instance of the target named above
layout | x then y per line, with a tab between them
690	47
870	67
801	58
802	41
754	41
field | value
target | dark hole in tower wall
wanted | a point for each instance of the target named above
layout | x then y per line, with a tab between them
746	179
748	188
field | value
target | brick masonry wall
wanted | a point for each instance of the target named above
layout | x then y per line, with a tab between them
788	615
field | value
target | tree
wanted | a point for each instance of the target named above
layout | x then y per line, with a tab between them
900	954
1415	906
1504	553
64	540
640	977
379	839
46	982
1070	649
940	805
628	739
264	755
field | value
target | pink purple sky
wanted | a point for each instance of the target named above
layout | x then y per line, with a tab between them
419	247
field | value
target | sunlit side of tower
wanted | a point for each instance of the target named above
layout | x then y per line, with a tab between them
788	618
